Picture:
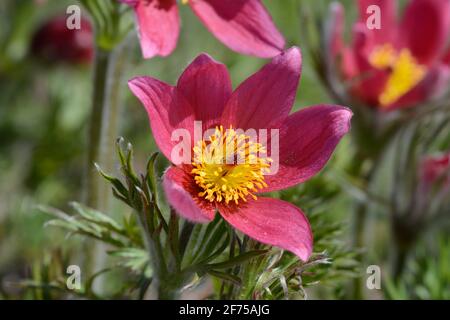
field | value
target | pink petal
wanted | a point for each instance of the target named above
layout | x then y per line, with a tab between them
307	140
388	20
446	59
369	82
206	85
243	25
273	222
265	99
180	190
425	28
335	42
335	28
363	44
158	26
166	110
433	85
433	168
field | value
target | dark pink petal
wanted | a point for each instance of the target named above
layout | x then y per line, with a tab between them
158	26
307	140
363	44
434	168
388	20
243	25
425	28
179	188
166	110
349	67
273	222
369	82
265	99
433	85
206	85
370	85
446	59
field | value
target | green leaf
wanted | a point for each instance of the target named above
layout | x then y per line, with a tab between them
114	181
226	276
89	283
151	175
135	259
97	217
172	237
213	236
236	260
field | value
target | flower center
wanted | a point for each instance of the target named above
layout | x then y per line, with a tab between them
229	166
406	72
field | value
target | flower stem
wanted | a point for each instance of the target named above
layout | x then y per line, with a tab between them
360	219
106	102
112	110
93	180
92	189
161	278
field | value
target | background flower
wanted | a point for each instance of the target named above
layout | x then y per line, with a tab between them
399	65
53	41
435	169
244	26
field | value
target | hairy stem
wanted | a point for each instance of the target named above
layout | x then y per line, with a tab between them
93	180
106	102
92	189
360	219
113	109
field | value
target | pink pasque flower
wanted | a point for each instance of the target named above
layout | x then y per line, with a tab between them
242	25
198	189
405	62
53	41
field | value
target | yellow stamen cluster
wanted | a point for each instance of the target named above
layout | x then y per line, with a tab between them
383	56
406	73
229	166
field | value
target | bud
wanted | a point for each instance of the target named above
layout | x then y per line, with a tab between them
55	42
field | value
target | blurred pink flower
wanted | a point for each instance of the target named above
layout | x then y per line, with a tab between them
196	190
243	25
53	41
436	169
405	62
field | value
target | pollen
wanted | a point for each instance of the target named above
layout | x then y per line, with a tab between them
383	56
229	166
405	72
